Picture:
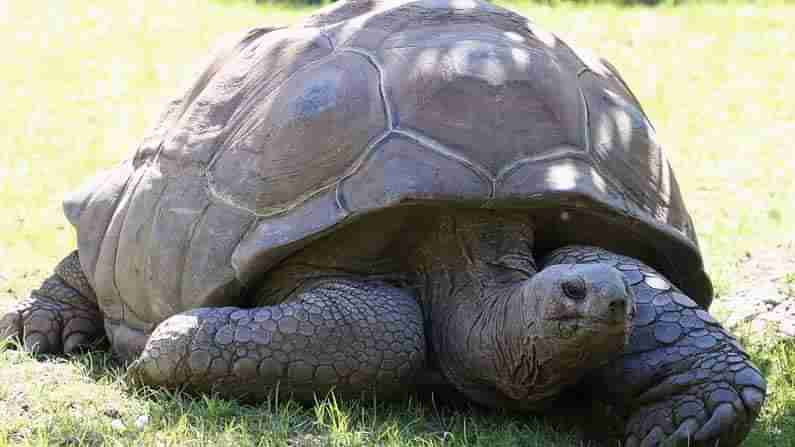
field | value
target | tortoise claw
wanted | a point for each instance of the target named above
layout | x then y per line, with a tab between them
58	317
11	325
709	413
723	417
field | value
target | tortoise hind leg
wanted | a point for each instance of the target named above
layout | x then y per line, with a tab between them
682	379
347	335
60	317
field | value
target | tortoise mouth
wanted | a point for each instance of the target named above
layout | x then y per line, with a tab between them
572	318
573	324
569	326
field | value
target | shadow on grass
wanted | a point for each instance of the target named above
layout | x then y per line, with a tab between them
416	420
575	420
99	366
329	421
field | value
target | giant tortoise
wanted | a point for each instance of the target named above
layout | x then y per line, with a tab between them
398	191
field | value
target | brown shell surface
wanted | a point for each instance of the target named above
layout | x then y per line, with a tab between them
289	133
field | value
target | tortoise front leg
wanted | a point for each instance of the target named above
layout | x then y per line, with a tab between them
344	335
61	316
682	379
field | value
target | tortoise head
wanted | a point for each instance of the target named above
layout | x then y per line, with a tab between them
574	318
580	300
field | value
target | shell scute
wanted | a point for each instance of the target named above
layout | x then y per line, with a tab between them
248	76
401	169
493	102
625	150
303	138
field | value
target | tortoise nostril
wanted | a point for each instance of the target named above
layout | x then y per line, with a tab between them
575	288
617	308
618	305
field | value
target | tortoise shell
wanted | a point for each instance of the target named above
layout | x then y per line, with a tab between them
289	134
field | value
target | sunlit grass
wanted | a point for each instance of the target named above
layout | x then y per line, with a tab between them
82	80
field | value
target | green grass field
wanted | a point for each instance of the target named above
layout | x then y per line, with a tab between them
82	80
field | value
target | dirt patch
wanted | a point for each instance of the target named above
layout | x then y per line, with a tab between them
764	297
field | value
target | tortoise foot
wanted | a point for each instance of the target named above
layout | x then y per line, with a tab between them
341	335
58	317
682	379
713	403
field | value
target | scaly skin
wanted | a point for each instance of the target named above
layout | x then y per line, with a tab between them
342	334
683	380
60	317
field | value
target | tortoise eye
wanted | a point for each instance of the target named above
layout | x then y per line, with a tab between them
575	288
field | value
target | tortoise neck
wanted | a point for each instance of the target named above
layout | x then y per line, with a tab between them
480	249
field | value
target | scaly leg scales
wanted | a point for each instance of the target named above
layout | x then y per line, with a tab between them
347	335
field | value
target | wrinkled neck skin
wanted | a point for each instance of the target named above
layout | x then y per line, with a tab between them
487	323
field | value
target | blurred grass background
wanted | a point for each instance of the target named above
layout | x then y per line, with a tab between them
81	81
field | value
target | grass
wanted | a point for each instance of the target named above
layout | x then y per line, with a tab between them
85	400
84	79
